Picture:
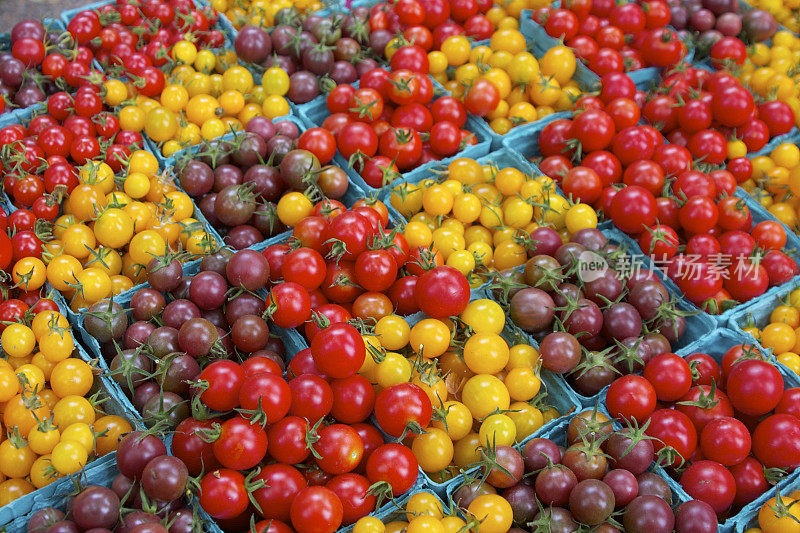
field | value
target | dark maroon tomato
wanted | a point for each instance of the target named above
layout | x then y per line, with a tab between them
135	451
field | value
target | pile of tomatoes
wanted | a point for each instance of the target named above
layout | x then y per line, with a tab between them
98	210
486	391
530	89
779	330
699	208
714	115
263	13
423	510
255	184
198	105
613	37
149	486
39	63
316	52
135	40
379	127
53	423
775	182
480	216
325	457
178	324
585	473
614	319
428	23
731	423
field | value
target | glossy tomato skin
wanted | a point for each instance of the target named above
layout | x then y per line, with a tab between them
340	449
312	397
352	490
632	208
223	494
241	445
338	350
750	481
224	380
292	304
287	440
790	402
718	406
196	454
710	482
670	376
631	397
316	510
754	387
353	399
395	464
282	484
776	442
398	405
268	391
675	429
725	440
442	292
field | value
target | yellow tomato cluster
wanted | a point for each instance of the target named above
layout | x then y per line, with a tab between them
108	233
782	333
770	71
529	89
786	12
422	513
207	96
776	182
481	386
50	428
480	216
261	12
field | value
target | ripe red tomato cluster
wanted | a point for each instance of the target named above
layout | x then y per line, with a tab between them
109	33
428	23
697	209
319	476
380	126
76	129
727	421
38	64
23	241
612	37
701	110
351	265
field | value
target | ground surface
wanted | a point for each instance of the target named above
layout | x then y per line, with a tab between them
12	11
